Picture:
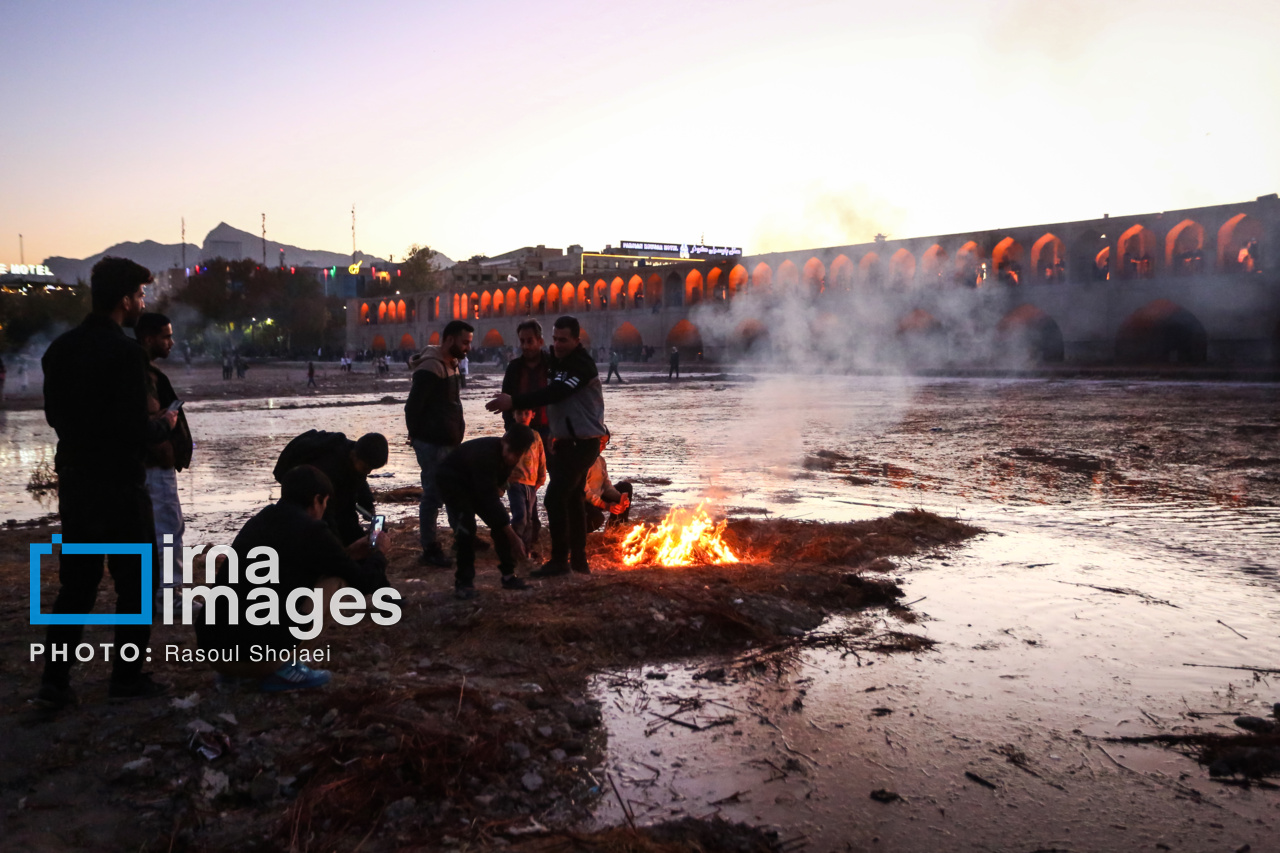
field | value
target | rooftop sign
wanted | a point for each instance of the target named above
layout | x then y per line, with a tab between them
683	250
25	269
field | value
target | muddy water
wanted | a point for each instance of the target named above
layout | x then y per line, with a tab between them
1168	494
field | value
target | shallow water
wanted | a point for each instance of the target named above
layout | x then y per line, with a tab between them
1171	490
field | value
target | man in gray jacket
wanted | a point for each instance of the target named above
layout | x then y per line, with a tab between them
575	410
433	414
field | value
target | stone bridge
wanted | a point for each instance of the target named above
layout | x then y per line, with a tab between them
1193	286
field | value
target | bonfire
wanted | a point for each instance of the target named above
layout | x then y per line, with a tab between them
684	538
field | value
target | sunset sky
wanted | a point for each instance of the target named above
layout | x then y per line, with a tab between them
483	126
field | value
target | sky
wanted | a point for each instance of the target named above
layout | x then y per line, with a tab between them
483	126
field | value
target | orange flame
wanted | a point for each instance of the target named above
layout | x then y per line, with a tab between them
683	538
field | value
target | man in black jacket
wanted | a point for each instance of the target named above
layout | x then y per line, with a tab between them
433	414
529	373
168	456
309	557
347	464
95	398
472	479
574	399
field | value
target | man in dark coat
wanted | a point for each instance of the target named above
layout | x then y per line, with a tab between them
347	464
95	398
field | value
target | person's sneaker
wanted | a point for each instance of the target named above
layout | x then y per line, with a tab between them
55	697
551	569
580	567
435	557
142	687
294	676
514	582
464	593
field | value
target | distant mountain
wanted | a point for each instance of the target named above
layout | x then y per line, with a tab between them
223	241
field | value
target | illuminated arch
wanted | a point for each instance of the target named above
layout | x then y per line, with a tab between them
635	287
693	288
1028	334
617	288
584	337
1137	252
401	311
1184	248
869	270
933	264
686	337
523	304
434	340
364	312
1006	260
787	277
1102	263
1048	259
815	276
382	313
1238	240
539	297
379	344
737	279
627	337
902	269
840	276
653	289
490	304
435	308
714	290
601	297
584	297
919	321
969	272
568	297
1161	332
492	338
553	298
457	306
512	299
406	341
762	277
750	335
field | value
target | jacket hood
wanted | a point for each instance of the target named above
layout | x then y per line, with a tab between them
430	354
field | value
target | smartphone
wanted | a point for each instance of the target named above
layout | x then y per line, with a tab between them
379	521
175	406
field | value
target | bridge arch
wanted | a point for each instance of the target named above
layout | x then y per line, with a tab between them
933	265
434	339
686	337
511	301
600	297
524	309
737	279
568	298
553	299
584	297
969	265
1048	259
814	277
869	270
617	293
1028	333
499	303
1184	248
673	290
840	276
715	290
693	288
919	321
1163	332
627	341
539	297
379	344
902	269
653	289
787	277
762	277
751	335
1006	260
1238	241
1137	251
406	342
492	338
382	313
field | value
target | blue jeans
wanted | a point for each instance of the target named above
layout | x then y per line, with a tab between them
162	486
524	511
429	458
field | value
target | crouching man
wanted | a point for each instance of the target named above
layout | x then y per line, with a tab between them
472	480
309	557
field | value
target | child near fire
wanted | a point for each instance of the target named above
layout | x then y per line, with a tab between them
522	488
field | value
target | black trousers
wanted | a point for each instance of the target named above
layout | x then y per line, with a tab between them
597	517
462	511
567	467
99	509
613	371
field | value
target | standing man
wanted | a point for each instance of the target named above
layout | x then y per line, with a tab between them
169	455
675	364
433	414
311	375
528	373
574	399
95	398
614	358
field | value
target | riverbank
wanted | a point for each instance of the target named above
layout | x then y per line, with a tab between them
466	722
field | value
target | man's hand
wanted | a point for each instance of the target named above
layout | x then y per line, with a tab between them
360	548
517	544
384	540
500	403
623	504
170	418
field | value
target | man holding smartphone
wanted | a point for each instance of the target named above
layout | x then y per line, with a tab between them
171	454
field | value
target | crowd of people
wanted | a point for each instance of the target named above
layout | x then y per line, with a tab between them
123	437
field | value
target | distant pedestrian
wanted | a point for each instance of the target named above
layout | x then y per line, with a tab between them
675	364
614	359
311	375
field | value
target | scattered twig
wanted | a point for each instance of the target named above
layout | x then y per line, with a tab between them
626	810
1246	668
461	691
735	797
1232	630
917	601
969	774
1119	590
